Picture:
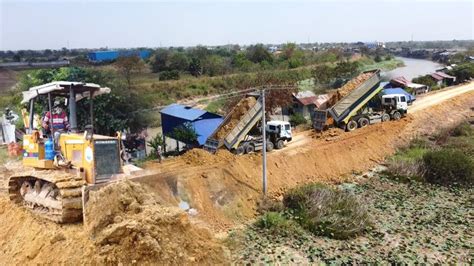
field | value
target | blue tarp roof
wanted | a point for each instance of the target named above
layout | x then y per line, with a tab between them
204	128
388	91
182	111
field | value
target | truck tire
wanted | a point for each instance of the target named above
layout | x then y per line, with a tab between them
351	125
396	115
385	117
239	151
269	146
280	144
249	148
363	122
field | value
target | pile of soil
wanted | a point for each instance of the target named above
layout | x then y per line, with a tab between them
129	224
239	110
352	84
201	157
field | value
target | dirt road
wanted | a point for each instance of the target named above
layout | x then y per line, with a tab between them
223	189
439	96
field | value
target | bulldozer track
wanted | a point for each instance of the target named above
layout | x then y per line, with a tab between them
51	195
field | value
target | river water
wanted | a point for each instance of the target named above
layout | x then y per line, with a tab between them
412	69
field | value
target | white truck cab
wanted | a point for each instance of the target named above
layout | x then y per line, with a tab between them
397	101
282	129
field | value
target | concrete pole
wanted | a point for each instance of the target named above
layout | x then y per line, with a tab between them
264	151
72	109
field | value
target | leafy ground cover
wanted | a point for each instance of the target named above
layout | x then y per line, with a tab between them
413	222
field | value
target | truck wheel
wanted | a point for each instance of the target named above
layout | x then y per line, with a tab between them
351	125
363	122
239	151
396	116
280	144
385	117
249	148
269	146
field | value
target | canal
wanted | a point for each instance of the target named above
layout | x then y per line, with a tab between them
412	69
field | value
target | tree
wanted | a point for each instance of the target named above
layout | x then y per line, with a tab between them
112	112
346	69
195	67
215	65
178	61
160	60
425	80
463	72
323	74
258	53
128	66
185	133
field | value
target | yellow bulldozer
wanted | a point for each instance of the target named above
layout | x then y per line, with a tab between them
60	167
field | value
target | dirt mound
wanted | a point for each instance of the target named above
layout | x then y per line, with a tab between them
239	110
202	157
129	224
352	84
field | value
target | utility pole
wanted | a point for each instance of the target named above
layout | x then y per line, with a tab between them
264	152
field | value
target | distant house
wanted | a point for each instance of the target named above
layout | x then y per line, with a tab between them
442	78
175	115
406	84
107	56
304	103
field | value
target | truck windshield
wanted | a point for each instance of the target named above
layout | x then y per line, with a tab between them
287	127
403	99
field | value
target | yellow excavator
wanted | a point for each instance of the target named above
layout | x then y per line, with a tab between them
60	167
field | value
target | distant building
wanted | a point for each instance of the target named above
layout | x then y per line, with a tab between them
304	103
442	78
175	115
402	82
106	56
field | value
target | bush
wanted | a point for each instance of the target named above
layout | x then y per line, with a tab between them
269	205
297	119
463	129
277	223
168	75
329	212
154	143
447	166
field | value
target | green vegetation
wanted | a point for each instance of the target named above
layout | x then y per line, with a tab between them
154	143
327	211
446	160
463	72
412	223
448	166
297	119
426	80
185	133
112	112
386	64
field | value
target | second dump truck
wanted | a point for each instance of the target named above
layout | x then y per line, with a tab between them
363	106
239	133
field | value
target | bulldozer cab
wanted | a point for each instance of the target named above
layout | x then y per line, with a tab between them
95	157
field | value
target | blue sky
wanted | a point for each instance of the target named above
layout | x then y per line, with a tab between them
94	24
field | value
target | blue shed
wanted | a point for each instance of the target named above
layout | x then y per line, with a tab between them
104	56
203	122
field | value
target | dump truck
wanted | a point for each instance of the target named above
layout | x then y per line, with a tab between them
362	106
239	133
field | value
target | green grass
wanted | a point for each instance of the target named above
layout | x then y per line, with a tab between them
384	65
410	154
215	106
413	222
